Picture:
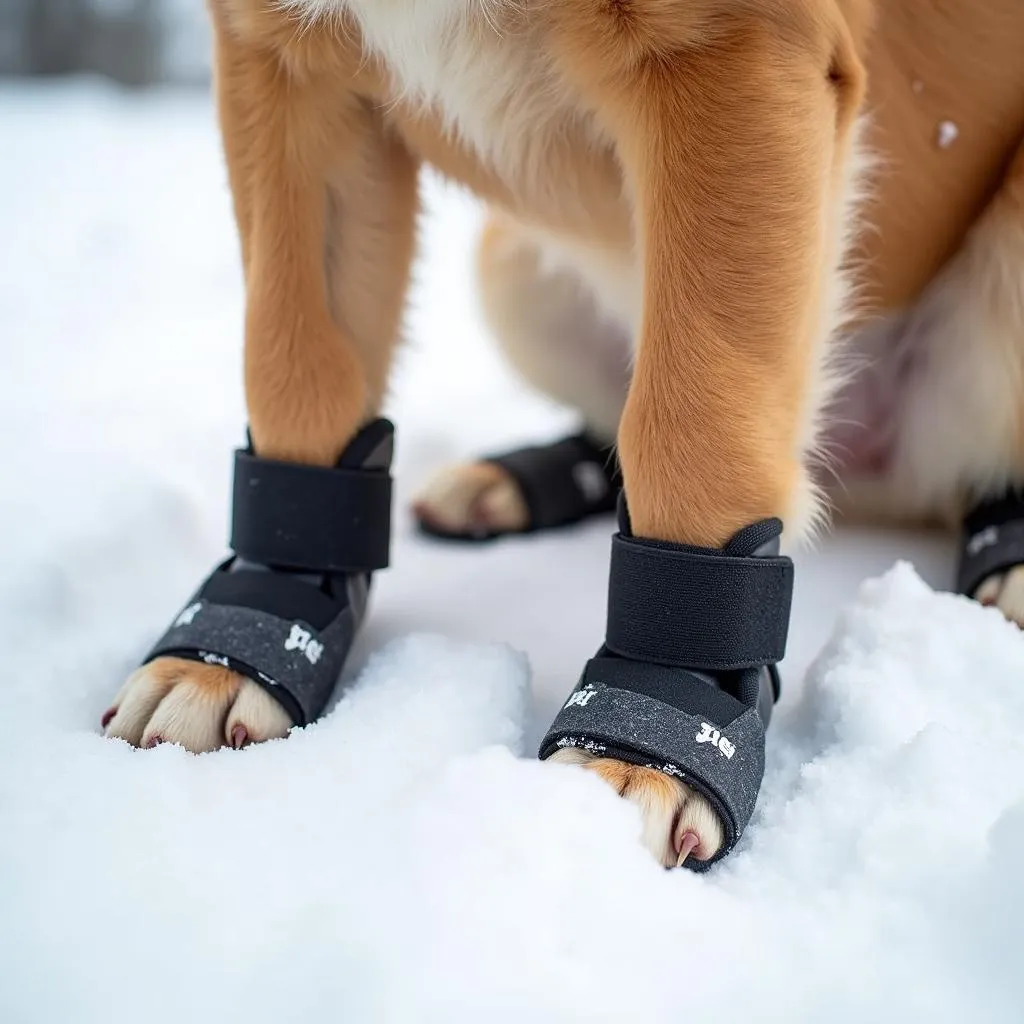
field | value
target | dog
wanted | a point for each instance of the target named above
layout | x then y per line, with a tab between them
773	250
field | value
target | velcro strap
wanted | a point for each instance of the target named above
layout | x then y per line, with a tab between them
993	540
565	481
310	517
697	608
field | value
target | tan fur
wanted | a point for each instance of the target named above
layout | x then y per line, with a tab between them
691	165
480	498
668	808
200	707
550	326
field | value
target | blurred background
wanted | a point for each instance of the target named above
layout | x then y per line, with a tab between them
133	42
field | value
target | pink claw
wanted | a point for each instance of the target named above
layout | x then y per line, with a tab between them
108	717
687	845
154	741
239	737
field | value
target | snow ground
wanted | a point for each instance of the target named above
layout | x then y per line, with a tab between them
397	862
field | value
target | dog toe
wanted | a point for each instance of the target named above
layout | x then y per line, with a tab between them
472	498
133	707
254	717
678	823
1005	591
197	706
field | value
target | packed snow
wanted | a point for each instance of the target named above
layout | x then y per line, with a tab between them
405	859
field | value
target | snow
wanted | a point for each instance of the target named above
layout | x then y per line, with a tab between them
946	134
405	859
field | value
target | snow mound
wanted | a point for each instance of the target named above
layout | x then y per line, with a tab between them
397	862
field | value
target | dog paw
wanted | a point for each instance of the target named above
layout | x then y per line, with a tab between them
1005	590
197	706
475	499
677	821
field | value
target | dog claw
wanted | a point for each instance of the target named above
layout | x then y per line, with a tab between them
108	717
687	845
239	737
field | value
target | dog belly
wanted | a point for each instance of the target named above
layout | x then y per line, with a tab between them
862	422
930	415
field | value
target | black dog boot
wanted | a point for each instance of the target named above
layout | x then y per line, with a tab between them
561	483
285	608
686	680
992	541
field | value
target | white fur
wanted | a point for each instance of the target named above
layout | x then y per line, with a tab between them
807	514
962	424
613	276
958	433
542	309
474	62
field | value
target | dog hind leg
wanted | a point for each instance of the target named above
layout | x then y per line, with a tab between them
554	335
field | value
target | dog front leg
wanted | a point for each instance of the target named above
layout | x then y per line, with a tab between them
325	202
736	152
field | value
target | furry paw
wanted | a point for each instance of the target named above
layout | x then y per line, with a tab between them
199	707
677	821
1005	590
473	498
